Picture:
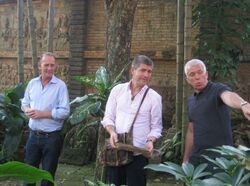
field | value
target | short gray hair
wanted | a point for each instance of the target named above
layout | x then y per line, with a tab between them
193	62
142	59
47	54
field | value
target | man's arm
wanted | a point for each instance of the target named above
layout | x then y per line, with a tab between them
188	143
113	135
156	123
233	100
38	114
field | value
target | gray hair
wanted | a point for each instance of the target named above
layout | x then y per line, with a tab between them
46	54
194	62
142	59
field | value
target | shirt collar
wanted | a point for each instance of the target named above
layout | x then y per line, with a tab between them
204	90
141	91
53	79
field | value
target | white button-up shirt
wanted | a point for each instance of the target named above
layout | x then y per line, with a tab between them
121	109
53	97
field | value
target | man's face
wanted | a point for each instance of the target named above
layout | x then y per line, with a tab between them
142	75
197	77
47	66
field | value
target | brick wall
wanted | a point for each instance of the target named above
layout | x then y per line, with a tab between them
79	41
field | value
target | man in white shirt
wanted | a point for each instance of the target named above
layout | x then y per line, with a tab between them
121	108
46	103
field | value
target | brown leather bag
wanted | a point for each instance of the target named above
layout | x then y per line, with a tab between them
114	156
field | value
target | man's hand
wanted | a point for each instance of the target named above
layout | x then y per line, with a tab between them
37	114
246	110
113	139
113	135
149	146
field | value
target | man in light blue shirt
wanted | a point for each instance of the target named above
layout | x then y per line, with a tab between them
46	103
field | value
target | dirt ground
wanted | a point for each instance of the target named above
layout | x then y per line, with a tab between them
71	175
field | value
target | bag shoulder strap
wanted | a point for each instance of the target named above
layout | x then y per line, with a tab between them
137	112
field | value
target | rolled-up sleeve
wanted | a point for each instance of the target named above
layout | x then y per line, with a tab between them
110	110
62	109
156	117
26	99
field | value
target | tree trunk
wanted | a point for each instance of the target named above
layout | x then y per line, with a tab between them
100	170
187	56
179	67
20	35
179	61
32	37
120	17
50	25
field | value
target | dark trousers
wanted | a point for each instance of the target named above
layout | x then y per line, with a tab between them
44	149
132	174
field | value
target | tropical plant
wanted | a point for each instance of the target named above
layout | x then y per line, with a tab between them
230	172
234	169
12	120
89	109
231	169
23	172
185	173
92	105
169	146
223	28
241	155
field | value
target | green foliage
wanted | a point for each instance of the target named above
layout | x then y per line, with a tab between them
241	155
186	172
92	105
231	169
233	173
20	171
234	169
169	146
224	27
89	109
12	120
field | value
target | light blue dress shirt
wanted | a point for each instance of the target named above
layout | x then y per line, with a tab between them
52	97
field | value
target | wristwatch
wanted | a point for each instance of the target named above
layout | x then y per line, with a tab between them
243	103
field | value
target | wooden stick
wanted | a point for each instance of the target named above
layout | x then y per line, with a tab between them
131	148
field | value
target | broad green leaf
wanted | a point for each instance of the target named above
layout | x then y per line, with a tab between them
198	172
86	80
246	177
102	80
23	172
223	176
79	99
238	174
15	93
81	112
212	182
188	169
165	168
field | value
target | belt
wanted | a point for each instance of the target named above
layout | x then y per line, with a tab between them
42	133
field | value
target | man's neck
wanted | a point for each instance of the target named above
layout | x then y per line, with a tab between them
135	89
45	81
